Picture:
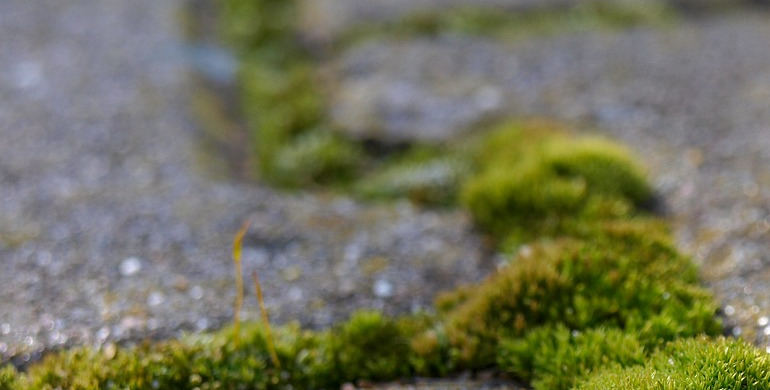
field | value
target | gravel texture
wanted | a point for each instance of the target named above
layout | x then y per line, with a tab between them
109	231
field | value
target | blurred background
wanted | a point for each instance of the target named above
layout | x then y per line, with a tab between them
136	137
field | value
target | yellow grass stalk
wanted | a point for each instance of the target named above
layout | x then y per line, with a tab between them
237	249
266	320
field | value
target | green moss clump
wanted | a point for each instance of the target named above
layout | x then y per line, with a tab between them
9	379
371	346
254	25
426	176
536	181
622	278
279	97
279	107
431	352
208	361
315	158
205	363
697	364
555	358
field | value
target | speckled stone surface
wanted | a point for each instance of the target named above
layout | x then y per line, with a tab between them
109	230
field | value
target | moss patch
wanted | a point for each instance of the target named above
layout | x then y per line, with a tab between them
696	364
555	357
621	278
561	311
514	24
535	180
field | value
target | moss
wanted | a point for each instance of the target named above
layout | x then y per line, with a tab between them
10	379
426	176
561	310
371	346
314	158
207	363
622	278
696	364
281	100
535	180
279	108
556	357
253	25
516	24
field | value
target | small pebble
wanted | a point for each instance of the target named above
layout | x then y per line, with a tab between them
156	299
196	293
291	274
383	289
181	283
130	266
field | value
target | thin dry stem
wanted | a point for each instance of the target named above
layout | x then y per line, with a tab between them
266	320
237	249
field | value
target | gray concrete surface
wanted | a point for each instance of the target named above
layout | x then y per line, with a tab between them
109	231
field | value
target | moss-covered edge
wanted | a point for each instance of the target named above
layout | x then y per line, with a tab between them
604	291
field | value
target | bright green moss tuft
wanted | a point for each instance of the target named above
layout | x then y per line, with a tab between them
536	181
208	363
554	358
607	167
696	364
621	278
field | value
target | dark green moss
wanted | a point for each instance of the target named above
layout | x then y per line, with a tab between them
696	364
